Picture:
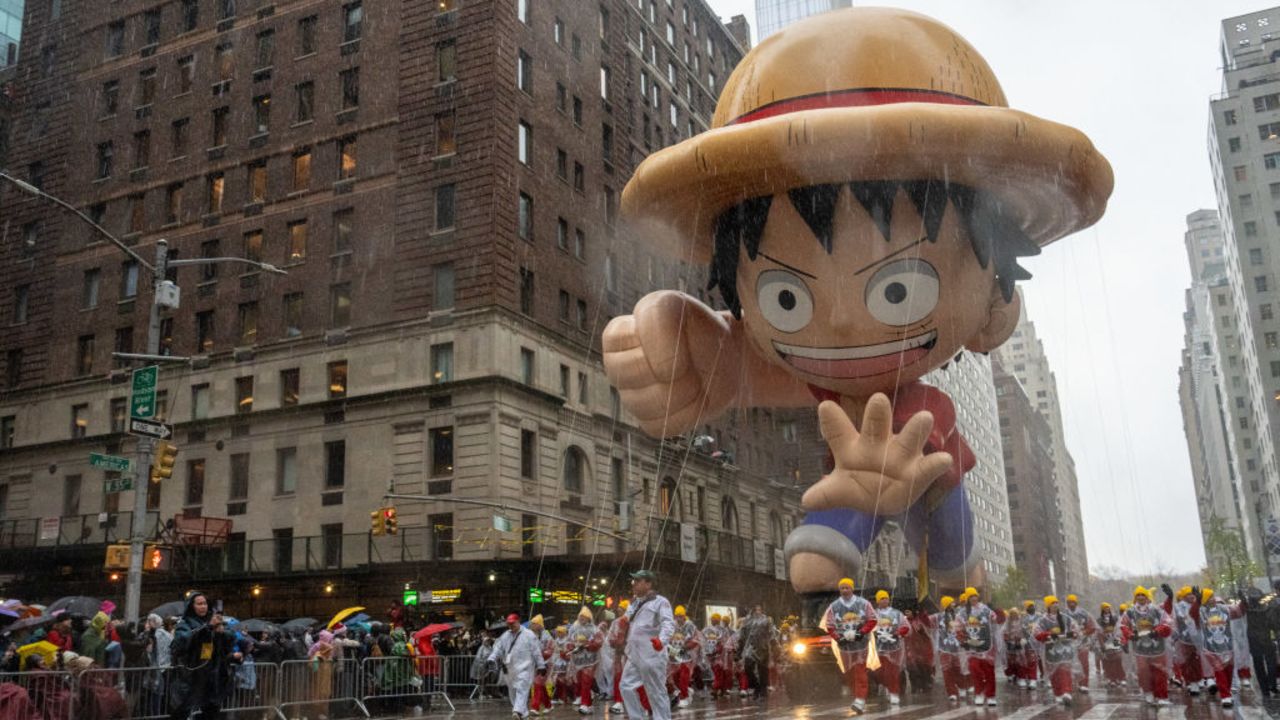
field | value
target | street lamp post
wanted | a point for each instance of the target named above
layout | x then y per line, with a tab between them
142	470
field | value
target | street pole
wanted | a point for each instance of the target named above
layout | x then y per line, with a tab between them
142	469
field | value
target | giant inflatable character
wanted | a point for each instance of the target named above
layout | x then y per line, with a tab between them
861	202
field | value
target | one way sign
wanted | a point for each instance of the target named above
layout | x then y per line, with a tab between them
150	428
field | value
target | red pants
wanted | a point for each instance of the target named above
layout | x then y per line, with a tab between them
856	675
1223	676
983	673
1113	667
889	675
617	694
1189	664
952	679
743	683
1153	677
586	677
1027	669
680	676
720	681
1083	654
1060	679
540	698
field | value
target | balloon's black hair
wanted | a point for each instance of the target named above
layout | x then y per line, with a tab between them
996	237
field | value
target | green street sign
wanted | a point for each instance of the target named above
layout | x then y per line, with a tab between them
109	462
536	595
115	485
410	597
142	402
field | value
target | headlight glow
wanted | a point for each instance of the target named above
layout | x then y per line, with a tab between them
799	648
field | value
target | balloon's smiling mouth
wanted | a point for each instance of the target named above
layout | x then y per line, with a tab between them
860	361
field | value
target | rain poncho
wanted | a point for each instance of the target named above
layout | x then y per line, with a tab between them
1059	635
649	619
1020	646
1218	643
891	628
1110	646
199	655
397	670
979	633
519	653
717	646
849	623
608	656
583	646
686	644
93	643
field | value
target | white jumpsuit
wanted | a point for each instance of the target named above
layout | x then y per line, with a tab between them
649	618
521	654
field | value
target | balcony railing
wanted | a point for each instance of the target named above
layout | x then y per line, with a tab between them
713	546
73	530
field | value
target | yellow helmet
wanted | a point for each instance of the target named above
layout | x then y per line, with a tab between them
1029	605
1142	592
971	591
585	612
680	611
624	604
1205	594
536	620
562	630
1106	606
881	595
1124	607
1183	591
1050	601
845	581
1072	598
715	617
946	601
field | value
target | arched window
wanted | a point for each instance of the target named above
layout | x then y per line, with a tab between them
729	516
575	469
669	499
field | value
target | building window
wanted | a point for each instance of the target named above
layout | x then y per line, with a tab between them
524	138
115	39
71	496
335	464
527	360
442	531
238	488
142	149
178	135
338	379
293	314
195	483
1263	103
307	36
445	206
301	170
528	454
262	114
522	11
584	396
442	363
564	381
79	421
340	305
266	50
605	75
579	177
204	331
577	111
524	72
441	451
200	401
84	354
248	321
562	97
1255	256
290	383
106	159
562	164
447	61
110	98
124	344
244	394
442	286
89	288
579	243
331	544
353	22
574	535
575	46
1264	311
173	204
220	118
1250	229
304	95
225	61
446	142
564	306
525	219
350	88
1241	173
21	301
562	233
7	431
286	471
1260	283
215	184
575	470
253	247
283	550
347	158
526	291
297	241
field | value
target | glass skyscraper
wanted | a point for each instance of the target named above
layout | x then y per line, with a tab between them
10	30
773	15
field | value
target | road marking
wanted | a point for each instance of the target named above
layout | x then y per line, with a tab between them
1028	712
1099	712
1250	713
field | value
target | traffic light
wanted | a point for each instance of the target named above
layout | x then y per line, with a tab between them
158	558
379	526
390	520
162	462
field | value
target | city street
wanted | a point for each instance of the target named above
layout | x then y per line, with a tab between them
1106	706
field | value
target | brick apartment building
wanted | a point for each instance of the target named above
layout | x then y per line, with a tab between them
440	181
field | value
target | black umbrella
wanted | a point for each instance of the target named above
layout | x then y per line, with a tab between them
77	605
298	625
32	622
172	608
257	625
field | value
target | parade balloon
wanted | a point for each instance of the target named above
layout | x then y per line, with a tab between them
860	205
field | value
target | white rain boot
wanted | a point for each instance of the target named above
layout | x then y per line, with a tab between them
1032	684
1066	699
1151	699
684	703
1163	702
979	699
859	705
1228	702
1084	689
584	709
1022	683
951	698
616	708
991	701
894	699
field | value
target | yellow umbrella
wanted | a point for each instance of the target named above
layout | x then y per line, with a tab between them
44	648
343	615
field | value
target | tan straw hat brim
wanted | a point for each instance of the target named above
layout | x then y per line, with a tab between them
1047	175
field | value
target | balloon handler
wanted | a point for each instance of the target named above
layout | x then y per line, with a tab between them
861	202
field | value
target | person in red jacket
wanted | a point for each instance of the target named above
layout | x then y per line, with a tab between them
849	621
1147	627
891	628
919	652
60	634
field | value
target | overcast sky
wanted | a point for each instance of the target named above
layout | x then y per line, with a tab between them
1135	76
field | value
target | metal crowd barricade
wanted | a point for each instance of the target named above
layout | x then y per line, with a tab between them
311	688
51	692
394	683
254	687
455	675
141	689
